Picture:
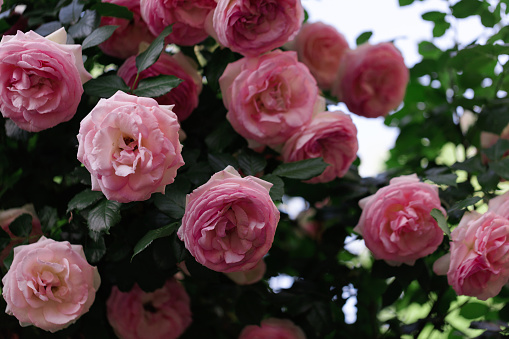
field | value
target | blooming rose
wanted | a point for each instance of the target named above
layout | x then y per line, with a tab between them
249	277
500	205
255	27
164	313
185	95
396	223
126	39
331	135
320	47
371	80
229	222
8	216
273	328
41	79
130	146
268	97
188	19
50	284
478	262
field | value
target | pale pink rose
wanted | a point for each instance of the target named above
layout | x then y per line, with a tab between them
396	223
229	222
162	314
478	262
331	135
8	216
185	95
126	39
188	19
273	328
50	284
371	80
500	205
130	146
252	28
41	79
269	97
320	47
249	277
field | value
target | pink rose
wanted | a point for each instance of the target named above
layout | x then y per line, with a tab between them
268	97
8	216
41	79
130	146
188	19
396	223
500	205
50	284
252	28
372	80
331	135
273	328
249	277
229	222
164	313
185	95
478	262
126	39
320	47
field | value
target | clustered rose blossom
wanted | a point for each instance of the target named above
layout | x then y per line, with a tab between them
320	47
331	135
130	145
269	97
185	95
254	27
41	79
50	284
162	314
396	223
8	216
188	19
371	80
229	222
273	328
249	277
126	39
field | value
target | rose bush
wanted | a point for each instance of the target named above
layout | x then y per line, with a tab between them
273	328
130	145
50	284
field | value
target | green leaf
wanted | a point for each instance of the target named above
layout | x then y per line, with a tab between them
278	189
440	28
98	36
152	235
219	161
48	217
84	199
70	13
433	16
501	168
221	137
179	248
494	119
364	37
21	226
471	165
151	54
95	249
156	86
105	86
302	170
104	216
474	310
466	8
113	10
8	260
405	2
173	202
462	204
85	26
251	162
489	180
497	151
437	176
48	28
429	50
440	218
5	239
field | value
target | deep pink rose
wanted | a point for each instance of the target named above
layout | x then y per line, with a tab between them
500	205
320	47
40	79
130	146
229	222
8	216
331	135
253	27
273	328
268	97
162	314
372	80
185	95
188	19
249	277
396	223
126	39
50	284
478	262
